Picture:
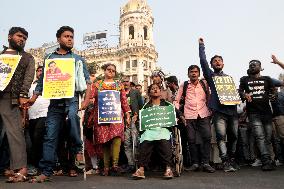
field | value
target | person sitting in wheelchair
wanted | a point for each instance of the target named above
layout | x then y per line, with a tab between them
157	138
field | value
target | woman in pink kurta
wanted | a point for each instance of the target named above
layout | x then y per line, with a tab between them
110	135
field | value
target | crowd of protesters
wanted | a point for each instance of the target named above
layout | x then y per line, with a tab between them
40	138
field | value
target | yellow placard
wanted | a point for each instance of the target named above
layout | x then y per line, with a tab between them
59	78
8	65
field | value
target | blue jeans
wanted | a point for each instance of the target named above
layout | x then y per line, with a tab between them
226	125
56	116
262	128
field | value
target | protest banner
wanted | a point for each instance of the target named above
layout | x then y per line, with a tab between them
59	78
157	116
109	105
8	65
226	90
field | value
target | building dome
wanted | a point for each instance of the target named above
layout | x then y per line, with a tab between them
134	5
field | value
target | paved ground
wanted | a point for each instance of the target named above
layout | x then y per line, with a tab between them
246	178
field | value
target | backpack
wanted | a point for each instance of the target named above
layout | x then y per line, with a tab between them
185	85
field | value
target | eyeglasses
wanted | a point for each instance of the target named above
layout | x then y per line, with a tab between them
125	81
110	70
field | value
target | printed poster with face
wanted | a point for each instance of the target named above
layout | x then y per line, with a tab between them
226	90
109	107
8	65
59	78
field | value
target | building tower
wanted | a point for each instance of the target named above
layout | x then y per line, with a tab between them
136	41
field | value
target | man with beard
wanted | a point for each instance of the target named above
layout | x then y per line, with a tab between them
59	109
225	117
158	77
13	96
255	90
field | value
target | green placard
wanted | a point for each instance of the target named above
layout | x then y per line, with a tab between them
157	116
226	90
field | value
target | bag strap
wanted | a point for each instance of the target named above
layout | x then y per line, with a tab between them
4	50
205	88
185	85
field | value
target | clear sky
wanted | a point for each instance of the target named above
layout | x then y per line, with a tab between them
239	30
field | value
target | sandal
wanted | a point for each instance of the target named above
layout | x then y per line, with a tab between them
93	172
105	172
138	174
168	174
58	173
8	173
40	179
18	177
72	173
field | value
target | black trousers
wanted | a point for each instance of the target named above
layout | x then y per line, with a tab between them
199	138
163	149
36	131
4	153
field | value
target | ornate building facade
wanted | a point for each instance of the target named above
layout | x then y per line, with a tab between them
135	56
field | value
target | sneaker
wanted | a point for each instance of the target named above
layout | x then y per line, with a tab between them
32	172
256	163
227	167
207	168
278	163
234	164
268	167
194	167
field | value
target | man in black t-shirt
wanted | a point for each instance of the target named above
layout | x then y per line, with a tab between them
255	90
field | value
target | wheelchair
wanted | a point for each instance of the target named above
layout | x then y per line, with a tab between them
176	146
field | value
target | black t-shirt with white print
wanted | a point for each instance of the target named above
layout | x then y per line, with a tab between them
259	89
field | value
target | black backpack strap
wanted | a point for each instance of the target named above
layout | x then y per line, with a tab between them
205	88
185	85
4	49
182	98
